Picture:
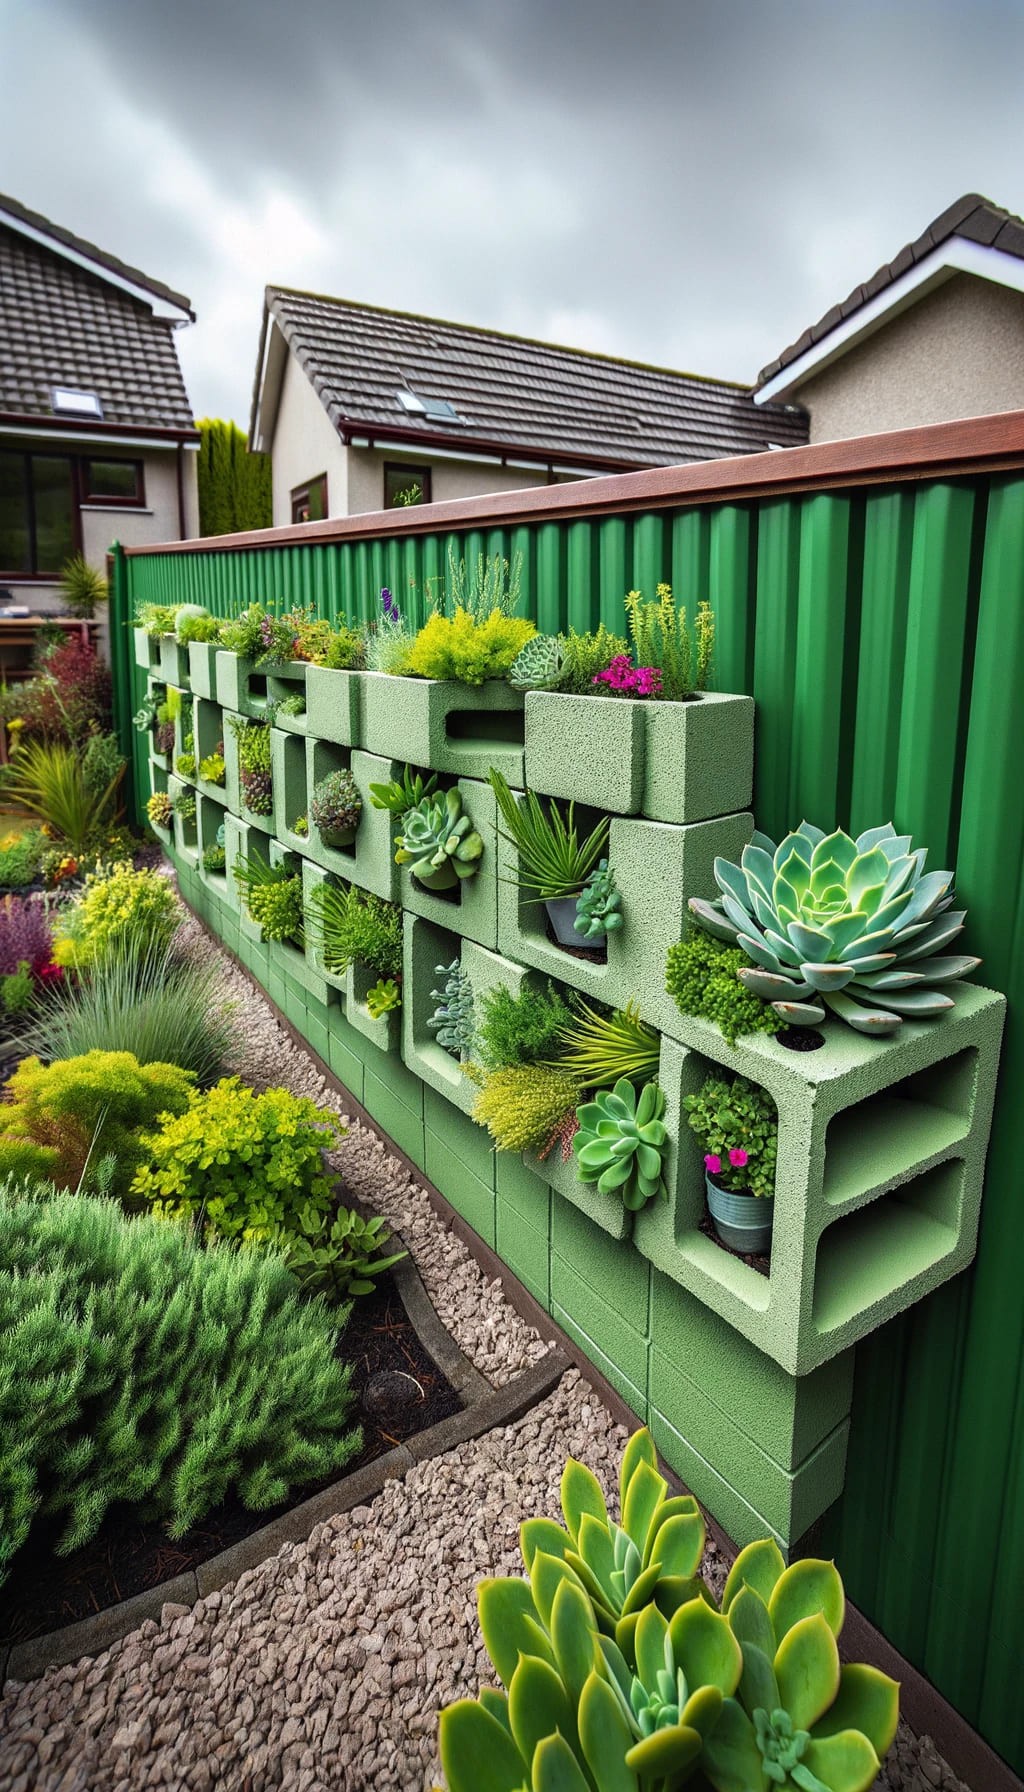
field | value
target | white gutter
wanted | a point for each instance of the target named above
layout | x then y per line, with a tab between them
957	256
160	307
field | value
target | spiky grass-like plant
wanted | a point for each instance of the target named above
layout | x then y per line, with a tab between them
49	780
598	1049
81	586
150	1002
554	861
349	927
660	634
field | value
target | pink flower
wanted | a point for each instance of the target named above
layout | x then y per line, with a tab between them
712	1164
737	1157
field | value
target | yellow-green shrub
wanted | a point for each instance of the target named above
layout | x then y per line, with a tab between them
92	1109
118	906
462	648
241	1163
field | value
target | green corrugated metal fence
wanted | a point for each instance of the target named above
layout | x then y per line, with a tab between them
882	635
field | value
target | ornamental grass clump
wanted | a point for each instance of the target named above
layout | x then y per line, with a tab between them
553	861
64	787
237	1163
140	1367
352	927
829	923
61	1121
119	908
599	1048
522	1104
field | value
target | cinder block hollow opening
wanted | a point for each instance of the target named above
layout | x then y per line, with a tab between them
866	1257
434	947
876	1142
212	824
479	728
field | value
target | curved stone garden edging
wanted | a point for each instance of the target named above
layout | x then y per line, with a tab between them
485	1407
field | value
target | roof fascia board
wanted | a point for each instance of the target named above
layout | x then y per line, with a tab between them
274	351
957	256
160	307
167	440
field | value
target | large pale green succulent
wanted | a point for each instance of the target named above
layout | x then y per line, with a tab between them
540	665
832	923
438	842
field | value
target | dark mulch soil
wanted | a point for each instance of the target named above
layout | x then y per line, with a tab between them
753	1261
45	1591
800	1039
590	954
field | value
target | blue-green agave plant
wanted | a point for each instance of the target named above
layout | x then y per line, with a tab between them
833	923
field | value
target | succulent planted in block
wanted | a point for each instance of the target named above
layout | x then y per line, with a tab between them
621	1142
439	843
855	927
599	904
160	810
336	804
540	665
452	1020
383	997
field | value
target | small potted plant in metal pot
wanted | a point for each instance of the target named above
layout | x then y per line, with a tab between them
737	1125
570	876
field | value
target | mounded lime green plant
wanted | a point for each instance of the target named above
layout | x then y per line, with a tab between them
120	909
701	977
439	842
553	862
142	1367
469	650
737	1126
63	1120
829	923
213	769
622	1141
240	1163
273	897
588	654
383	997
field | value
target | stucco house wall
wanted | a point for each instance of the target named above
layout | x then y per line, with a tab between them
305	445
958	352
448	478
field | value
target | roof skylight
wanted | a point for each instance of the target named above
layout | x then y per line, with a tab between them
439	410
69	401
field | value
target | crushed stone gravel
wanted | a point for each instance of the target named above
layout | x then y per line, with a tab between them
324	1668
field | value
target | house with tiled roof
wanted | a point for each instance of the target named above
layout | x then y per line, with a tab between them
936	334
97	437
362	408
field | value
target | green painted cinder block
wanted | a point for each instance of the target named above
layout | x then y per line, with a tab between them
450	727
524	1250
657	867
318	1037
605	1211
208	727
471	909
623	1343
740	1520
240	686
467	1141
174	663
385	1032
425	948
679	762
609	1366
334	705
403	1084
609	1266
146	648
202	668
369	859
522	1193
288	770
470	1195
284	684
346	1063
186	834
881	1158
394	1118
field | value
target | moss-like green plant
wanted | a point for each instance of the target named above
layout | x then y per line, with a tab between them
383	997
621	1143
254	770
215	858
439	842
193	623
18	991
141	1367
599	904
336	804
156	619
20	858
62	1117
467	649
239	1163
600	1048
452	1020
553	862
335	1254
521	1029
350	926
700	975
184	805
737	1126
185	765
522	1104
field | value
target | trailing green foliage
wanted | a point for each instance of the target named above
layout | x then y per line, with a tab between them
140	1367
350	927
273	897
438	842
599	904
468	648
452	1020
588	654
620	1673
383	997
522	1104
622	1141
661	638
234	484
827	922
160	810
336	805
403	793
552	860
59	784
700	975
239	1163
254	773
335	1254
521	1029
81	587
119	909
62	1117
600	1048
736	1124
144	1000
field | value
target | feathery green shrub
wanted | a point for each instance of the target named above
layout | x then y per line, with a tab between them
137	1365
80	1111
700	975
520	1029
119	908
350	927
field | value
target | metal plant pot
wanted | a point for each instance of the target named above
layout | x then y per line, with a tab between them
562	915
336	838
742	1221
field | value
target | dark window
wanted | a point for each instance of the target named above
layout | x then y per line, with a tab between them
309	501
112	482
37	513
405	485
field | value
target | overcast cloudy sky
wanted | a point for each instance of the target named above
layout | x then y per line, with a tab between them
688	183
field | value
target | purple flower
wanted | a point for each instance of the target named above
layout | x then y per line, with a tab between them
389	608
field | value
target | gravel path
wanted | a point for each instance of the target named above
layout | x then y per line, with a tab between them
323	1669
